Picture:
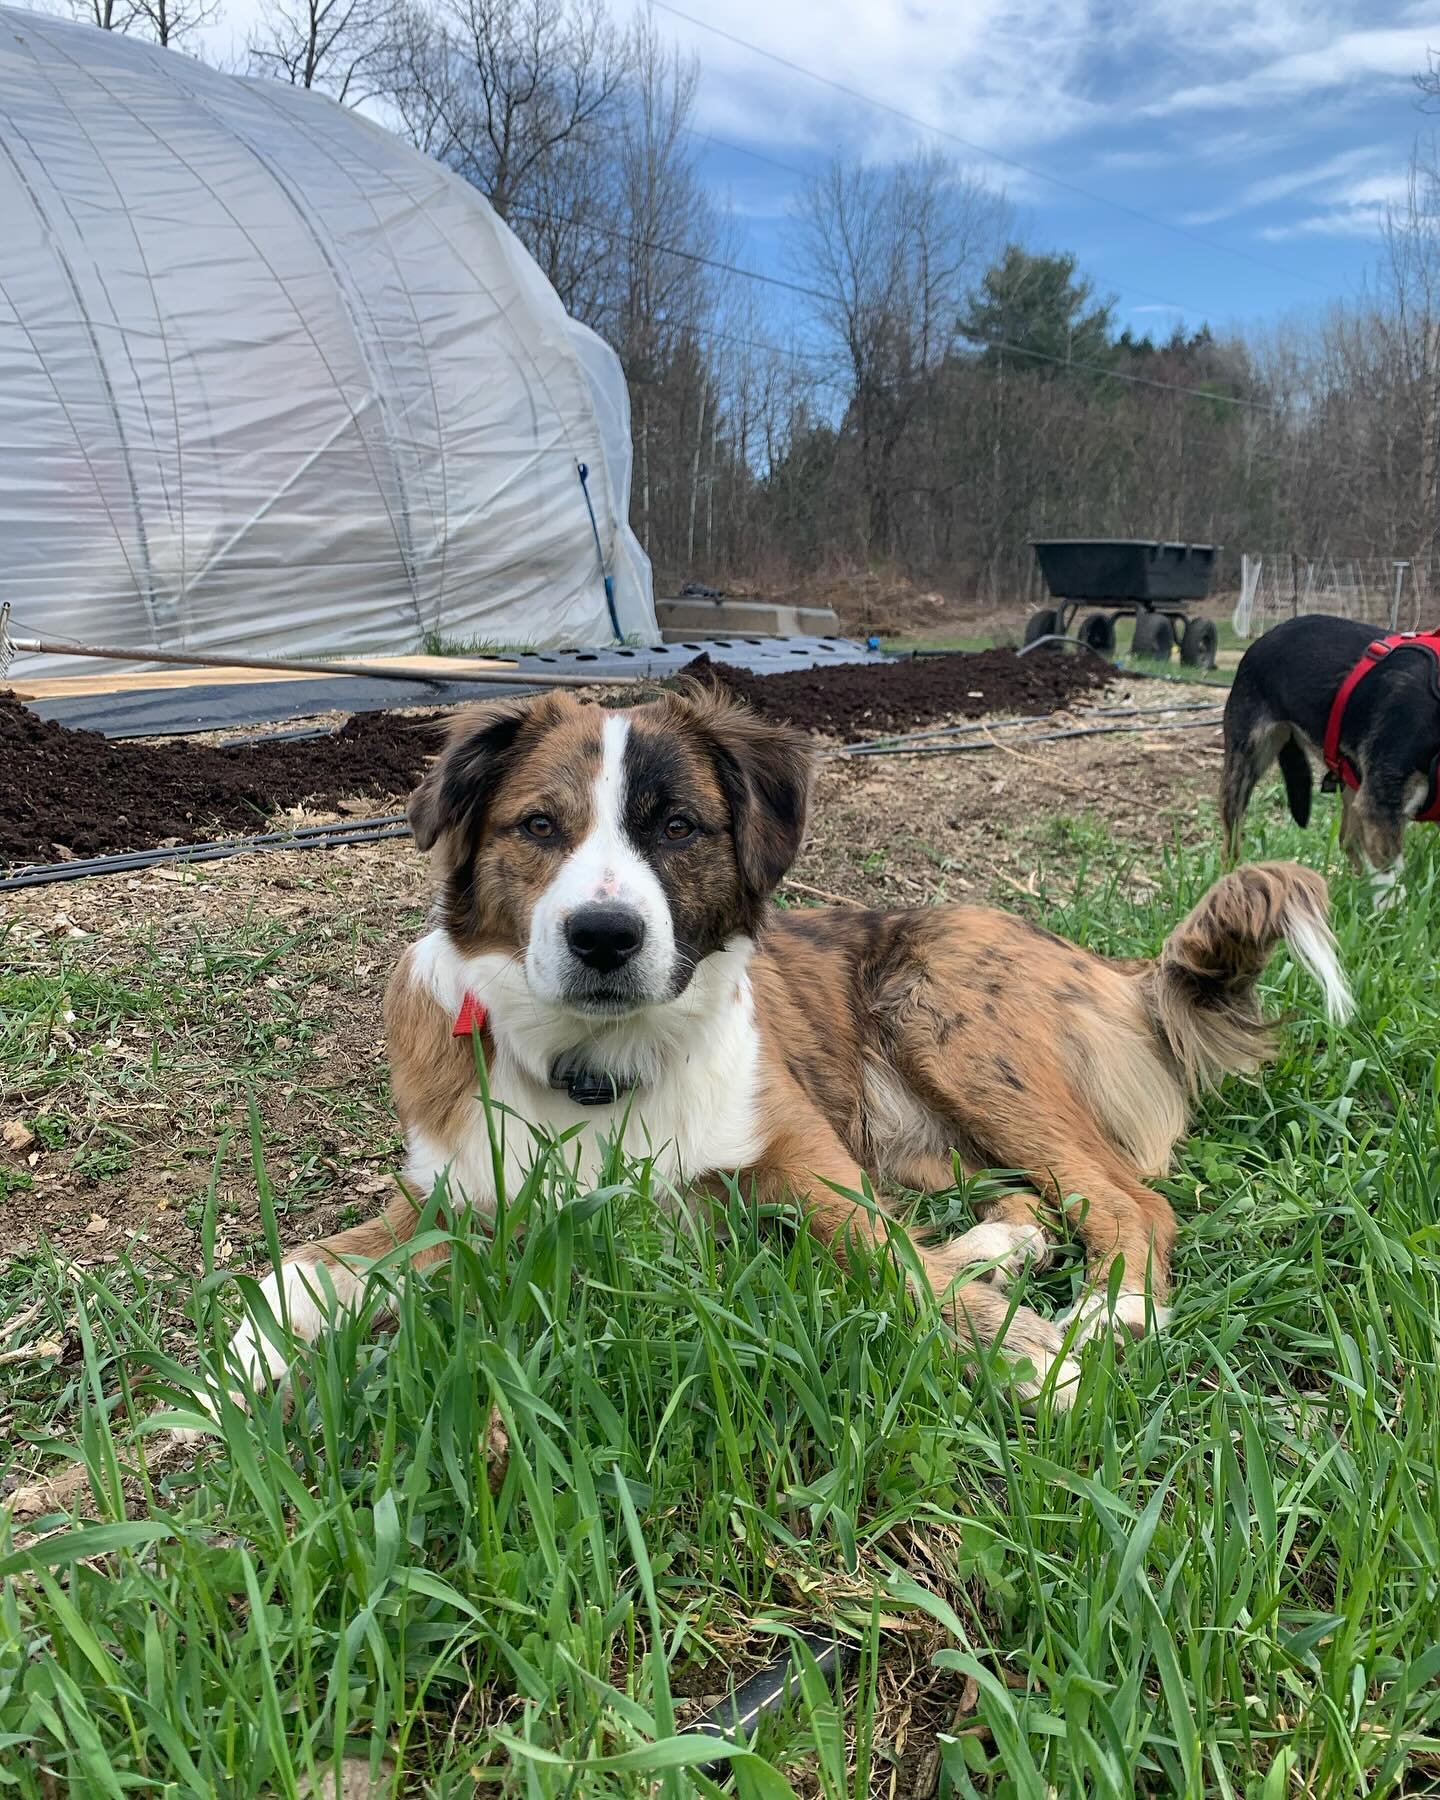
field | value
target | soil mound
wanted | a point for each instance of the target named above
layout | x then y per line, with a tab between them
851	699
78	793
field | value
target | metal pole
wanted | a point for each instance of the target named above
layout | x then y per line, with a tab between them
1400	568
294	665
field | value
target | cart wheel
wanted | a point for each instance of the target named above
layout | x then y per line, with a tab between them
1044	623
1153	637
1197	647
1098	631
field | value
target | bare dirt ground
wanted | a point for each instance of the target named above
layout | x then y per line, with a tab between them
148	1010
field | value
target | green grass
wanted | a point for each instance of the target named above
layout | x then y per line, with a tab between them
1218	1574
435	643
988	640
982	640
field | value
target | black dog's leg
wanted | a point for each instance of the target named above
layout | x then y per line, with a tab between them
1375	822
1252	740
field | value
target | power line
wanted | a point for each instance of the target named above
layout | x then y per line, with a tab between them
814	293
707	262
708	137
1011	162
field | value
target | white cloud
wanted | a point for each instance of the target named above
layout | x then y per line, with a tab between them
972	70
1280	187
1388	189
1136	159
1340	221
1045	80
1383	55
1240	29
1353	209
754	200
1245	144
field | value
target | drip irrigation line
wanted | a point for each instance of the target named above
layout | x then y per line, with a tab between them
738	1715
1039	737
1142	674
303	837
971	726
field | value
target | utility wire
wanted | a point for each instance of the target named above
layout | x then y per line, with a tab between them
1011	162
708	137
829	299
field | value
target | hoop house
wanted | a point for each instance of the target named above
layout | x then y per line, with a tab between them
271	381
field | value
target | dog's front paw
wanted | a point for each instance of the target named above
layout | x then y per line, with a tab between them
996	1250
1057	1372
258	1362
1386	891
208	1403
1132	1316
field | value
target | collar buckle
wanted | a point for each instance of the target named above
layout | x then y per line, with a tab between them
584	1085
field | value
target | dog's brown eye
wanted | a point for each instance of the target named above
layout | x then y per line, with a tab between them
539	825
678	828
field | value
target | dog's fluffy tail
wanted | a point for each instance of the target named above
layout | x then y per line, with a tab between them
1201	991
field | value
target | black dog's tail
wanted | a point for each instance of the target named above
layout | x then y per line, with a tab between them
1299	784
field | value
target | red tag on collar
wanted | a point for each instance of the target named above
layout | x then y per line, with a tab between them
472	1018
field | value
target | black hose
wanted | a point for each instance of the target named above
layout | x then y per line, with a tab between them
765	1692
1038	737
302	837
867	746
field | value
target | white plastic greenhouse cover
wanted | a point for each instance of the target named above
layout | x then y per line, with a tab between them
272	381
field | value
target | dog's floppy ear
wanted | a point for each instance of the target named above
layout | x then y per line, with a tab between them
766	771
458	788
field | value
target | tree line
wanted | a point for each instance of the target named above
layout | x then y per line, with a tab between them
918	389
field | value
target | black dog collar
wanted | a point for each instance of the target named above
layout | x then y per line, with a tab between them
587	1086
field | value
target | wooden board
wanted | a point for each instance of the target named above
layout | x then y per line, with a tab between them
114	680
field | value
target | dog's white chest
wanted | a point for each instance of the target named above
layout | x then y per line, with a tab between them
695	1108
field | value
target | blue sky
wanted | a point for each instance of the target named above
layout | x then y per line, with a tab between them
1273	133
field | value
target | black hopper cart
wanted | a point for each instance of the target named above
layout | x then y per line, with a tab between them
1154	581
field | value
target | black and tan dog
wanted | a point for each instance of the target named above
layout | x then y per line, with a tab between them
603	922
1379	735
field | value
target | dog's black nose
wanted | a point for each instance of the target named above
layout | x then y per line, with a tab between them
605	937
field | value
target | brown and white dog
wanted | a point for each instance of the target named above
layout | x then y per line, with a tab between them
604	921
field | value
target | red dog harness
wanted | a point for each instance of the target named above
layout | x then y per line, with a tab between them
1339	766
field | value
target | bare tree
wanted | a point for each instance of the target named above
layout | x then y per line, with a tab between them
342	47
892	251
172	23
109	15
500	88
424	82
666	222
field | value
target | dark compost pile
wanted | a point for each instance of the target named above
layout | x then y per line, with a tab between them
853	699
78	793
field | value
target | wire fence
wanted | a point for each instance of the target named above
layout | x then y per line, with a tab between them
1385	591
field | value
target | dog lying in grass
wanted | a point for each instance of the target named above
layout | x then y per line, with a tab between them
1292	700
603	935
